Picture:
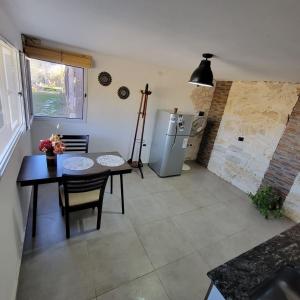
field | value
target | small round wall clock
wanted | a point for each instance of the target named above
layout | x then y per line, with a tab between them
104	78
123	92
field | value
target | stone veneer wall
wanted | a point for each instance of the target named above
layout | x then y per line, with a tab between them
213	122
201	98
257	111
292	201
285	163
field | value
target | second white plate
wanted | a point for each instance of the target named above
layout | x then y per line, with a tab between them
110	160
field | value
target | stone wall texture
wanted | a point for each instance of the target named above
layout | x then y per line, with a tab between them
285	163
201	98
215	114
292	201
258	112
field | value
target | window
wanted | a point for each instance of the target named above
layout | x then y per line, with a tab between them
11	104
57	90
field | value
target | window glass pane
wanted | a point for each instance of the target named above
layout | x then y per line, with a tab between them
12	85
57	90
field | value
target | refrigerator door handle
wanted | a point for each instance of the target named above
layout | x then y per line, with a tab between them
174	140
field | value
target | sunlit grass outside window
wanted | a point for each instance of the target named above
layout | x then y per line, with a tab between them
57	90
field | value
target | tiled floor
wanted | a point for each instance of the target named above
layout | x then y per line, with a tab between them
174	230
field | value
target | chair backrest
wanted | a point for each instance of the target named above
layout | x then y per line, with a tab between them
75	143
85	183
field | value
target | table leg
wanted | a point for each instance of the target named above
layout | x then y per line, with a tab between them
141	171
34	209
111	184
122	193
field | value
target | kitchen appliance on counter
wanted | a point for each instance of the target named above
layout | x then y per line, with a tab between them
169	142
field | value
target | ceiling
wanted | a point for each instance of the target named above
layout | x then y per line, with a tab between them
253	40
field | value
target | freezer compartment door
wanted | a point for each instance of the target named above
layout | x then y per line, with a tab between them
180	124
172	124
173	156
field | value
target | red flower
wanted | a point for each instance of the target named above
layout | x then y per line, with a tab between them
45	145
52	145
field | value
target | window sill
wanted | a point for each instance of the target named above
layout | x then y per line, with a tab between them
9	150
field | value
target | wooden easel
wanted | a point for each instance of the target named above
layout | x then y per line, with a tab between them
141	115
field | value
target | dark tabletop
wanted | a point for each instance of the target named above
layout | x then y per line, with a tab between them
238	278
34	169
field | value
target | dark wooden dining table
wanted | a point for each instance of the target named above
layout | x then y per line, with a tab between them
34	171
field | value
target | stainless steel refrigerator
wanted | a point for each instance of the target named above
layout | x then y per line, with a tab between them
169	142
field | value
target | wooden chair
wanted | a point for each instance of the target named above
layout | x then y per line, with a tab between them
75	143
80	192
79	143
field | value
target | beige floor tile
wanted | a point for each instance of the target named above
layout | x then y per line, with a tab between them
117	259
163	242
174	216
61	273
147	287
173	203
185	279
200	197
198	229
145	209
229	247
154	184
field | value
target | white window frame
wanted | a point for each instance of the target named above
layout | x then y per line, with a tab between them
26	87
11	144
84	106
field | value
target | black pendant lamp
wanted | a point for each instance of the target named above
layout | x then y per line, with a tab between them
203	74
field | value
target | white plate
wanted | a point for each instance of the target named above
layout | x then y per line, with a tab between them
110	160
78	163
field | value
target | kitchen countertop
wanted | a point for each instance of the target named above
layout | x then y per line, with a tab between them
237	278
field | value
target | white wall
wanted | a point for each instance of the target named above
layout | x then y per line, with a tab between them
110	120
14	203
13	200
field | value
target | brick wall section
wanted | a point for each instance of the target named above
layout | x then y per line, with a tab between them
285	163
213	121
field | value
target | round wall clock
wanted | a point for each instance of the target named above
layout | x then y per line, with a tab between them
123	92
104	78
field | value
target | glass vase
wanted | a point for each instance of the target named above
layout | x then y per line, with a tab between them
51	159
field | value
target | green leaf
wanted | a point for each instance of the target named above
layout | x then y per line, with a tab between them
268	202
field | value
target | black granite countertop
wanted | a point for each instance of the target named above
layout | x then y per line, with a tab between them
237	278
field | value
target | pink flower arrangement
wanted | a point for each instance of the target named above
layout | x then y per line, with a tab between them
51	146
